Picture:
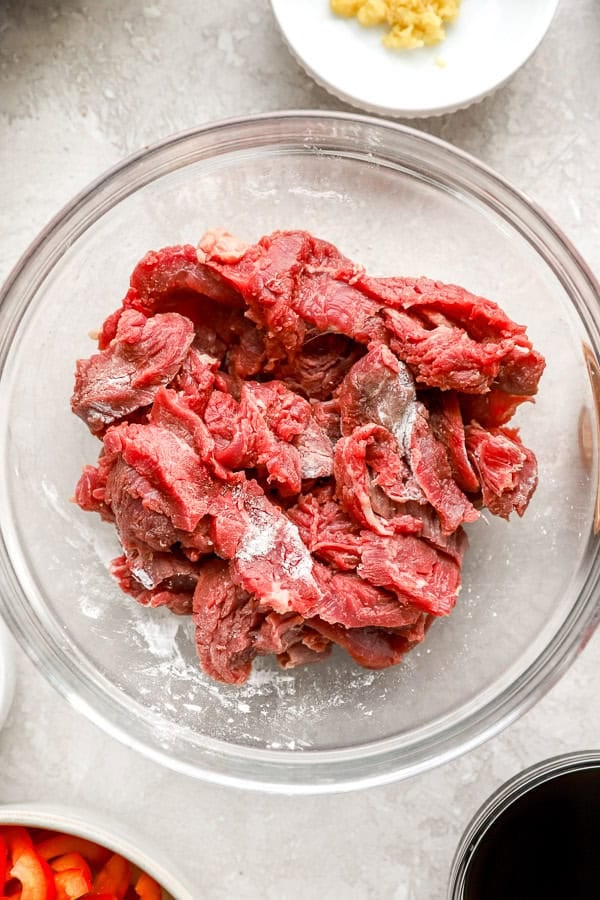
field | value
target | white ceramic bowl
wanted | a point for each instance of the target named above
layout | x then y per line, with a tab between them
103	831
488	43
7	672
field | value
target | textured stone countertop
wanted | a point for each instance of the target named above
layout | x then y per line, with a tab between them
81	85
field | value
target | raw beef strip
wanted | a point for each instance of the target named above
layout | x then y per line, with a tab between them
315	450
179	485
432	472
448	427
354	603
413	569
453	544
303	654
354	480
264	448
285	413
319	366
290	278
172	411
197	379
373	648
492	409
265	280
326	529
224	618
507	469
445	357
520	372
378	388
292	268
175	590
167	280
481	318
141	527
232	628
91	487
144	354
271	561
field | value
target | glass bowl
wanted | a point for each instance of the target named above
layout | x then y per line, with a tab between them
399	202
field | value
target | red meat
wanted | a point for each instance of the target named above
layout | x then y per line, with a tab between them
290	447
144	354
448	427
507	469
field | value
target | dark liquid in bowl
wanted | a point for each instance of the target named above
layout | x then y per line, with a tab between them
546	845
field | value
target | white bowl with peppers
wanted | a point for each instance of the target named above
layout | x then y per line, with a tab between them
48	853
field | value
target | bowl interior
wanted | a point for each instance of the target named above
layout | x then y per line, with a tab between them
396	216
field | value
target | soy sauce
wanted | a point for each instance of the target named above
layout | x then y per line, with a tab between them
545	845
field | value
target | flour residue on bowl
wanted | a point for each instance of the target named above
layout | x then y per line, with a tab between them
158	630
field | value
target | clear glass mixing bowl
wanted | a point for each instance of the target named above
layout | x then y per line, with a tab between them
399	202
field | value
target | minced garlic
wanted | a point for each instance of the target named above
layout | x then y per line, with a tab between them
412	23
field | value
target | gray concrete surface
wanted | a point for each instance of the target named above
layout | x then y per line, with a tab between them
81	85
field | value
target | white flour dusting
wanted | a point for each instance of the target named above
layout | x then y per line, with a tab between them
259	538
142	576
296	561
158	629
266	533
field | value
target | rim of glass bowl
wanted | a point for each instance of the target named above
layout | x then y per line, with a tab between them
502	799
381	143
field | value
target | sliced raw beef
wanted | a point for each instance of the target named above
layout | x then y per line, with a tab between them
481	318
271	561
414	569
290	447
144	354
355	480
350	601
290	278
448	427
507	469
319	366
432	472
225	618
160	580
378	388
232	628
445	356
492	409
373	648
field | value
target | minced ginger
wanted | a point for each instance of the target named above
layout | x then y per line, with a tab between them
413	23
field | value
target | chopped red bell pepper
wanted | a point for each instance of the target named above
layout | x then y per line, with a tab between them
147	888
3	862
35	875
114	877
95	896
71	884
61	844
12	890
72	861
39	865
16	839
